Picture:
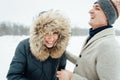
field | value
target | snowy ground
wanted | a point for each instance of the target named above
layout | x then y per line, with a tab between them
9	43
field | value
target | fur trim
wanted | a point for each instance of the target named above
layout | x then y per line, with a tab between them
46	22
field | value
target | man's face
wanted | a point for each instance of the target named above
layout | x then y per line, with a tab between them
97	17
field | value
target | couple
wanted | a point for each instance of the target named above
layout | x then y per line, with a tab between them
43	55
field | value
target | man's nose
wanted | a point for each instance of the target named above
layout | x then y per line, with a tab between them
91	11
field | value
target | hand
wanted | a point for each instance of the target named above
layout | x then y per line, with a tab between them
64	75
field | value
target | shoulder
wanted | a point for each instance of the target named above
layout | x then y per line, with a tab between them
22	44
108	47
24	41
108	43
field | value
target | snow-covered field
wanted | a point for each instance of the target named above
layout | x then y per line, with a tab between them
9	43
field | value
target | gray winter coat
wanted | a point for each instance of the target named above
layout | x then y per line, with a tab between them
25	66
99	58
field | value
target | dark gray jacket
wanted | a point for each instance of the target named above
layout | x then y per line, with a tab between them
25	66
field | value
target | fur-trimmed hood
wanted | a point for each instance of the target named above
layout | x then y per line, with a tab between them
43	24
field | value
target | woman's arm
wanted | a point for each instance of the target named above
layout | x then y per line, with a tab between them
18	64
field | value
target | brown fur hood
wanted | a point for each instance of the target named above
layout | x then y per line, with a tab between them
46	22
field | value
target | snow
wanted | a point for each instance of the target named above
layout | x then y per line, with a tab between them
8	45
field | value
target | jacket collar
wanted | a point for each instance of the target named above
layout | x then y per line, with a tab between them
103	33
92	31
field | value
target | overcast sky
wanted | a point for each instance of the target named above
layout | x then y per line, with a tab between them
23	11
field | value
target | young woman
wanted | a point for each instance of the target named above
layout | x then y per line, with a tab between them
41	55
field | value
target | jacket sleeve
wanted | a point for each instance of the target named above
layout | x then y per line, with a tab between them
78	77
18	64
71	57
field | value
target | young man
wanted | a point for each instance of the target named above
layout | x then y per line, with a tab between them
41	55
100	55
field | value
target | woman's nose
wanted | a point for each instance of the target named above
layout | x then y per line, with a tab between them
51	38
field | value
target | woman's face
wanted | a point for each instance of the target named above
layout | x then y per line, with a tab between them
50	39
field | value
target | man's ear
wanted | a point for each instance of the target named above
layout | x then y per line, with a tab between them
117	4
